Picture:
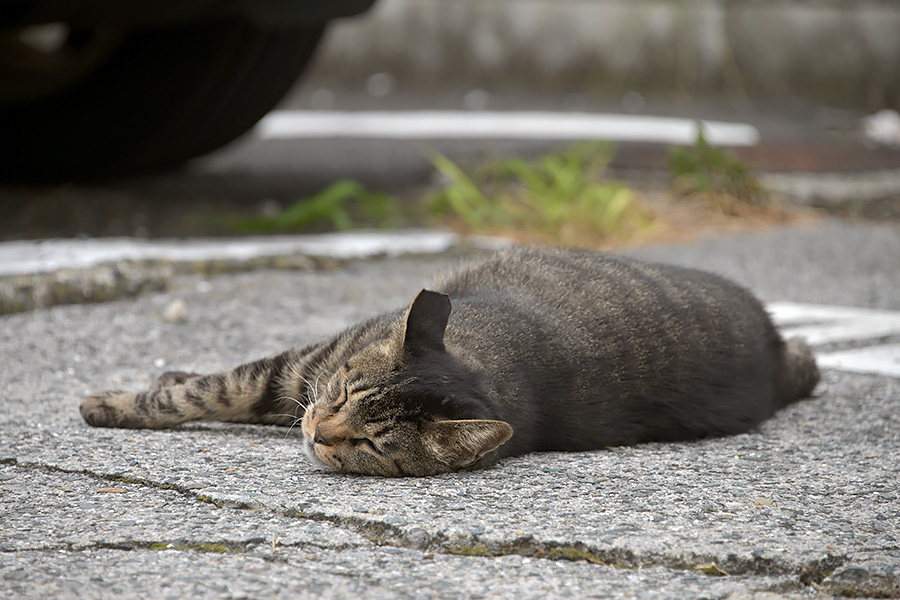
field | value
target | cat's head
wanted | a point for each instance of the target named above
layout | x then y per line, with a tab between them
403	405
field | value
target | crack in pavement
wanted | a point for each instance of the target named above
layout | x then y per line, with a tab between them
381	534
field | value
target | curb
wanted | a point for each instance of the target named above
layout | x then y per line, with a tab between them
42	274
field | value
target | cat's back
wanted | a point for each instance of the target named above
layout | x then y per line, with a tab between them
581	279
635	314
618	349
521	267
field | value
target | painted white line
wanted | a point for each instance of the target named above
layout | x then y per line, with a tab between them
435	124
821	324
793	313
875	360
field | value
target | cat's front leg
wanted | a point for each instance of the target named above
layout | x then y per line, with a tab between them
163	405
157	408
270	390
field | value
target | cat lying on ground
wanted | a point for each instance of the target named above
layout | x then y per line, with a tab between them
540	350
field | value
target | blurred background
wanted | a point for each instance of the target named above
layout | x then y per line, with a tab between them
816	81
807	58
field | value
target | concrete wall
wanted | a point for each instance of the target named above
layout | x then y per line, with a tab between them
836	52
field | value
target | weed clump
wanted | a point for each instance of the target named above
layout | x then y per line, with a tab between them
561	197
714	176
342	205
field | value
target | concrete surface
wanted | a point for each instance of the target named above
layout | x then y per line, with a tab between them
807	506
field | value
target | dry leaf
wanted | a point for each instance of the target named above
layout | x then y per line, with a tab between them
111	491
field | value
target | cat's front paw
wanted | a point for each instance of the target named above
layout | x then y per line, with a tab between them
111	409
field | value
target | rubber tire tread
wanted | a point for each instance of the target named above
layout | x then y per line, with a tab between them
167	95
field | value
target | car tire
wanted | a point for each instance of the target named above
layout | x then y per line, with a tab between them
162	96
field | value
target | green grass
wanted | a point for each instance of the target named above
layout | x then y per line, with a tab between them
561	197
572	554
470	551
344	204
710	172
564	198
197	547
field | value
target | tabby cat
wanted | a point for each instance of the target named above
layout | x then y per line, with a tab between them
543	350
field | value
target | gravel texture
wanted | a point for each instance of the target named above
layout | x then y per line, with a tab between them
807	506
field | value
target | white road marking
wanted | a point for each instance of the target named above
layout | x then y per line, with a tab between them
534	125
821	325
876	360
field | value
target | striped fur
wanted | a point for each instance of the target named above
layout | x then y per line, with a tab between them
528	351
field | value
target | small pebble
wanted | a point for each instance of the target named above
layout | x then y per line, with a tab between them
176	312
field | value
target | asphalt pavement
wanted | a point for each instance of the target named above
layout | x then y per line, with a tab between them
806	506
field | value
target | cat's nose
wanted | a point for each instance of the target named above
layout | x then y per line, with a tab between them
321	439
331	431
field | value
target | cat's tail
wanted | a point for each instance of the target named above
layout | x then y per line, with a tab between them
799	373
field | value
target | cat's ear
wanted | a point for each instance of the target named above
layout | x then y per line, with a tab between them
458	444
426	320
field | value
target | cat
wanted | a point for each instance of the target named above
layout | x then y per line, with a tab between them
530	350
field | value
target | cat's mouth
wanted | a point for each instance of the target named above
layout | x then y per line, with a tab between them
309	449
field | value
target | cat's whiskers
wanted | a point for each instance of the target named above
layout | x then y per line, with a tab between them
312	395
316	389
309	386
312	390
300	404
309	400
312	387
296	419
295	371
291	428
